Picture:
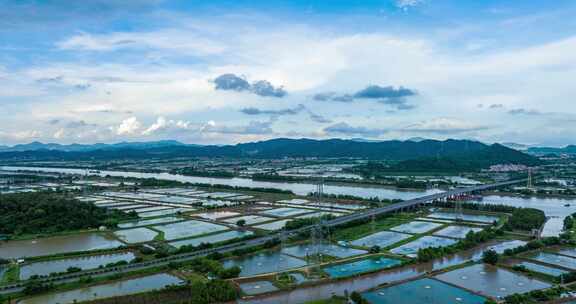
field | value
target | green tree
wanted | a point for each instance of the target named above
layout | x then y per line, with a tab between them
490	257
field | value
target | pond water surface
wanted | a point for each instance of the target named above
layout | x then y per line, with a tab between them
422	291
84	263
264	263
57	245
491	281
555	208
115	289
361	266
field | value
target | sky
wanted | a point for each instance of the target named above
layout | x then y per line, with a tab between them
224	72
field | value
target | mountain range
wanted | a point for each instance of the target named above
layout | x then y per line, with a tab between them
33	146
571	149
277	148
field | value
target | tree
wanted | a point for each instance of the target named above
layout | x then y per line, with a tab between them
490	257
357	298
241	223
375	249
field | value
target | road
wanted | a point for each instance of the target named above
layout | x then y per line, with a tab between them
16	287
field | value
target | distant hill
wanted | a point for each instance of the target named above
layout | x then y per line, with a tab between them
35	146
515	146
571	149
469	161
432	154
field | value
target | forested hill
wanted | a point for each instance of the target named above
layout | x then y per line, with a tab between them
279	148
469	161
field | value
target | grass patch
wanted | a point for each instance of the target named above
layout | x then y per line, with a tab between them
356	232
12	274
333	300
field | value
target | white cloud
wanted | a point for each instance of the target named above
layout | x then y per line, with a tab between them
307	60
167	40
404	4
129	126
444	125
162	124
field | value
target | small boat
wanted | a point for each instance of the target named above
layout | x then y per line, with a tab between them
566	205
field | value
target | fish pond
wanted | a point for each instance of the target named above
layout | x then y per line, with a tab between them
422	291
491	281
361	266
155	221
212	239
458	232
87	262
114	289
304	250
427	241
554	259
136	235
543	269
382	239
258	287
188	229
416	227
56	245
264	263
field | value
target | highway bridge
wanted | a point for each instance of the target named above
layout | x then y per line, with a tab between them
64	278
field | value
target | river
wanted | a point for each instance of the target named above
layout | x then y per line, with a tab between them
364	191
554	208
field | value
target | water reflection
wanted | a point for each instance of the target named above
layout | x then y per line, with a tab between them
115	289
56	245
556	208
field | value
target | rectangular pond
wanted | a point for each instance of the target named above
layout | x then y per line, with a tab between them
427	241
213	215
465	217
57	244
416	227
114	289
543	269
163	212
554	259
458	232
277	225
148	209
250	219
320	214
258	287
136	235
256	264
422	291
305	250
188	229
84	263
491	281
286	212
361	266
568	251
3	269
155	221
382	239
212	239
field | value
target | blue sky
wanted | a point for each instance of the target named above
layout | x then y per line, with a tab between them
236	71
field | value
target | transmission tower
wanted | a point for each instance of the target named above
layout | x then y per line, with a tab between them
317	232
530	183
283	238
458	209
